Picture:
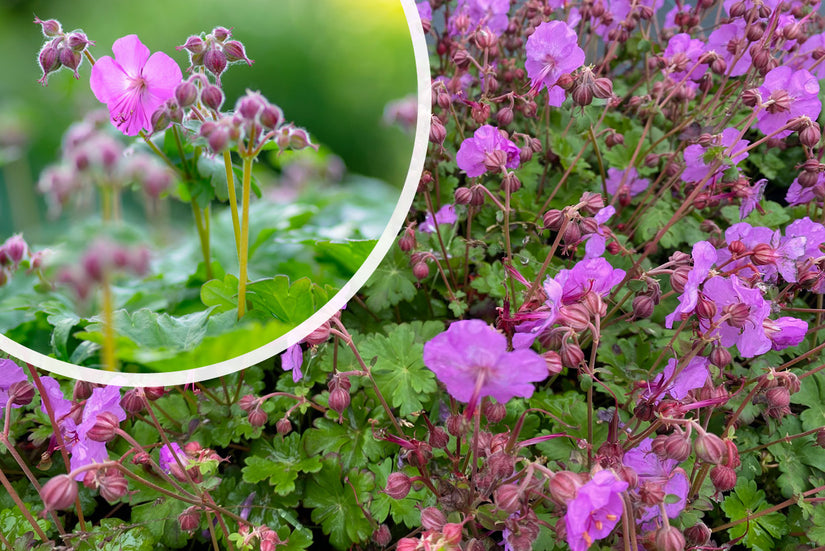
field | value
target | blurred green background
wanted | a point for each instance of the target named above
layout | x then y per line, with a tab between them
332	65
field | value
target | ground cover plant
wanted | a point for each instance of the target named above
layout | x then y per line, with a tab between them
126	283
601	327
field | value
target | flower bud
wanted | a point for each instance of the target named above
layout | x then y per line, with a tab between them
186	93
215	62
339	399
271	117
437	131
49	61
582	95
21	393
221	33
602	88
438	438
59	493
504	116
234	51
651	493
50	27
507	497
190	519
457	425
283	426
564	485
112	485
420	270
248	402
70	59
432	518
669	538
697	535
398	485
382	535
642	307
810	135
723	478
778	397
553	219
193	45
720	357
133	401
571	355
710	448
677	447
105	427
494	412
212	96
258	417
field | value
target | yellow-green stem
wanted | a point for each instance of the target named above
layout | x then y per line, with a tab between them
109	359
203	236
233	200
243	251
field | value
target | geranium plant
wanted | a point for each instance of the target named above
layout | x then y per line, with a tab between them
601	327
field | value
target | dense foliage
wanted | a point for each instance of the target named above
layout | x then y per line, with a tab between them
601	327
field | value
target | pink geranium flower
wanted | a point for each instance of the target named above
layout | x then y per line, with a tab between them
133	84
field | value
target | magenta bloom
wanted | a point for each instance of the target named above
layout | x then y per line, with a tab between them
472	361
486	150
595	510
86	451
729	41
10	373
748	310
489	13
682	54
791	94
291	360
167	457
445	215
595	274
652	469
625	181
698	163
693	376
133	85
552	50
785	331
540	319
704	257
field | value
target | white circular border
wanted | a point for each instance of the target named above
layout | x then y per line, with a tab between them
327	310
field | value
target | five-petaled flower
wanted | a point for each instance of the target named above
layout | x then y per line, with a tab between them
472	361
134	84
595	510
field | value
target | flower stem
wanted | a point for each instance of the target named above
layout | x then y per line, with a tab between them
20	505
109	357
203	236
233	199
243	249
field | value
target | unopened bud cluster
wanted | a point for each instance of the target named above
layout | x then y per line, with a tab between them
214	51
61	49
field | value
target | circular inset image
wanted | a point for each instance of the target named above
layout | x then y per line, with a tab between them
190	192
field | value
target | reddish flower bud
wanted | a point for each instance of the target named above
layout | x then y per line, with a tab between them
709	448
235	51
651	493
437	131
248	402
438	438
494	412
212	97
582	95
78	41
810	135
677	446
642	307
59	493
778	397
258	417
186	93
553	362
457	425
271	116
398	485
564	485
382	535
50	27
553	219
420	270
21	393
669	538
193	45
697	535
112	485
133	401
571	355
215	62
720	357
190	519
283	426
602	88
507	497
432	518
339	399
105	427
504	116
723	478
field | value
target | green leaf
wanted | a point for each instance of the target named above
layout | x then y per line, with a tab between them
759	533
812	395
333	497
774	217
291	304
280	462
223	295
399	370
160	517
391	283
14	525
